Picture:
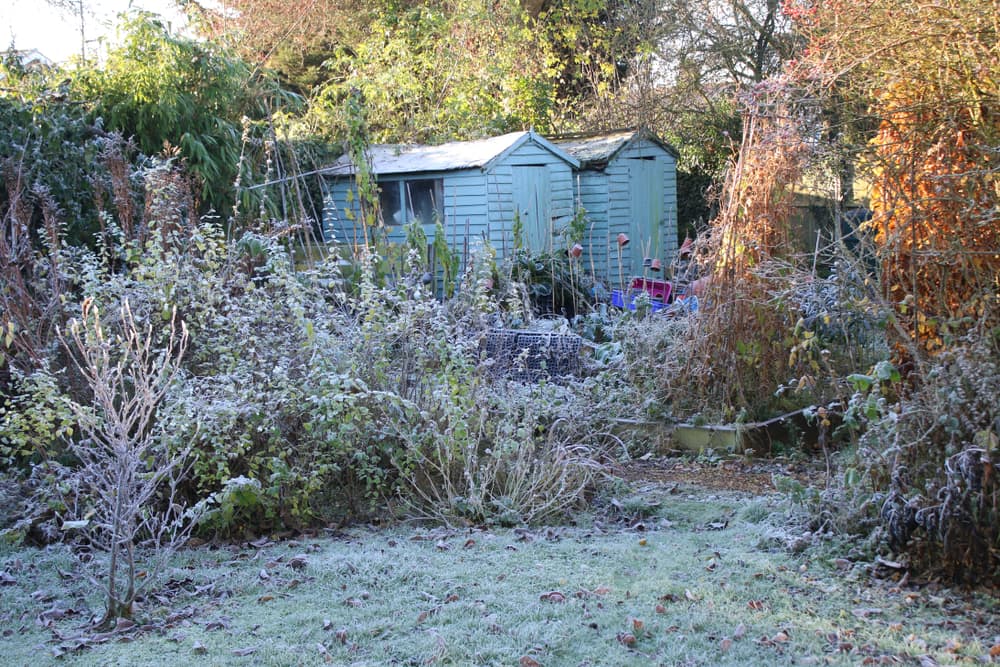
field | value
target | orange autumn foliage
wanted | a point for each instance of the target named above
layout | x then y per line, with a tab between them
934	205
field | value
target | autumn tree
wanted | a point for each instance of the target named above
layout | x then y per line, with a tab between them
430	74
926	75
929	73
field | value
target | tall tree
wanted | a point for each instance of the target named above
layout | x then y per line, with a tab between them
927	72
292	38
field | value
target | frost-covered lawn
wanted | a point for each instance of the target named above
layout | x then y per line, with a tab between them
703	579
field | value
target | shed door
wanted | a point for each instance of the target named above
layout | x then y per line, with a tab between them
646	190
531	203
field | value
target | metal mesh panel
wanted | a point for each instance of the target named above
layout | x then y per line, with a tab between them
530	355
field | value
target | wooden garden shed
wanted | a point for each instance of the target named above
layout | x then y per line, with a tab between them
476	189
627	183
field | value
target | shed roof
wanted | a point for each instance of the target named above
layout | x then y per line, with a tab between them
388	159
597	149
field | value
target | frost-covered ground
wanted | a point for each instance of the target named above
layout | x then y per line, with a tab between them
658	574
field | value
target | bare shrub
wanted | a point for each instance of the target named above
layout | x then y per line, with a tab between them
495	454
736	356
127	479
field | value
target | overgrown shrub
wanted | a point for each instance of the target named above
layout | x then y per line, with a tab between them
924	473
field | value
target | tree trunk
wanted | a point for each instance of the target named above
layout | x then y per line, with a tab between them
534	8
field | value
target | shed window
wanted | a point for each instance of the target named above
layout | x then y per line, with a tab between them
407	201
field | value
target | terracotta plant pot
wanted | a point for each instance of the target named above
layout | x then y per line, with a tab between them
622	239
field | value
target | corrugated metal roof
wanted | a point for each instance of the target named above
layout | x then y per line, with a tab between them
410	158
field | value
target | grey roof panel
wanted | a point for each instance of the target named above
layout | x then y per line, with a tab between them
596	150
389	159
410	158
593	149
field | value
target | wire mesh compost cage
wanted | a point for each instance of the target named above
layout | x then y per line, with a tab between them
530	356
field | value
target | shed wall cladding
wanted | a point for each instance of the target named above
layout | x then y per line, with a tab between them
635	193
556	195
478	203
631	208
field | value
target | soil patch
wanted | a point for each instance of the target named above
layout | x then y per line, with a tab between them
754	477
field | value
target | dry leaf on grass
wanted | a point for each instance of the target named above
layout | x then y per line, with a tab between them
626	638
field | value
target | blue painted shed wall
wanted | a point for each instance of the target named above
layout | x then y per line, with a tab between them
478	203
606	195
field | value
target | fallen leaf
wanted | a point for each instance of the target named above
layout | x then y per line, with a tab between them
725	644
341	635
264	598
642	542
242	652
264	576
602	590
669	597
660	609
756	605
636	625
995	651
327	624
441	545
780	637
928	661
739	631
199	649
528	661
552	596
689	595
865	612
469	543
298	562
451	598
221	624
6	579
626	638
